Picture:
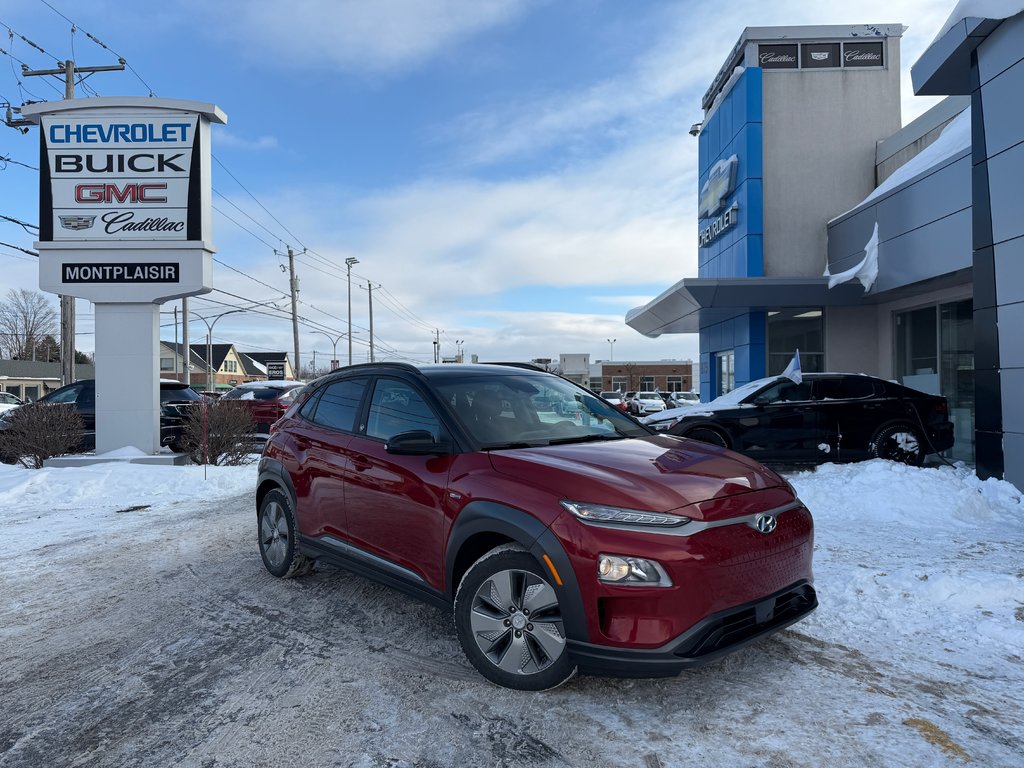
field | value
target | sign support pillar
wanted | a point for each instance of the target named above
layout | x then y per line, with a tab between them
127	377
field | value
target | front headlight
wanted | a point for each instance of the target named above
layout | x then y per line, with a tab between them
599	513
616	569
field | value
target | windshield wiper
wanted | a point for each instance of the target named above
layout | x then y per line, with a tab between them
585	438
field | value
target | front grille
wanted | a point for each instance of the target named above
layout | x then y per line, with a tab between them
734	627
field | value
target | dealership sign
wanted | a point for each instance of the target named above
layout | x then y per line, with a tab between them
716	191
118	178
124	198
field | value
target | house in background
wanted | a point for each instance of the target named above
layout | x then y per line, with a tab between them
30	380
227	367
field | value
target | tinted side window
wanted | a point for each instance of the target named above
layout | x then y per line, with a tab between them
395	408
339	404
786	392
829	389
857	388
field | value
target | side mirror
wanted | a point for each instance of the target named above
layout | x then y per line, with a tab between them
417	442
761	401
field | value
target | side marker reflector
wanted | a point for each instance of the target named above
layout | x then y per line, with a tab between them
551	567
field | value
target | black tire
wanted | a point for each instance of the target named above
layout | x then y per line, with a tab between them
505	642
899	442
708	435
277	532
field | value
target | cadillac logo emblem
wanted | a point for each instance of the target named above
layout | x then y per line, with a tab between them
765	523
77	222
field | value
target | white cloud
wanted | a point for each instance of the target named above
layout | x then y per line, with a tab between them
222	137
354	35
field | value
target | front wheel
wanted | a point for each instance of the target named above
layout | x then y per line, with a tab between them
899	442
509	622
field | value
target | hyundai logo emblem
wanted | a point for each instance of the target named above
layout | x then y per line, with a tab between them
766	523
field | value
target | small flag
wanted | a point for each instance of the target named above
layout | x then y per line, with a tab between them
793	369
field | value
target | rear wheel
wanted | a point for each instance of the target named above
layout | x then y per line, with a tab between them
278	537
899	442
708	435
509	622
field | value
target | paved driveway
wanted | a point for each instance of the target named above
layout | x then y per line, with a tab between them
154	637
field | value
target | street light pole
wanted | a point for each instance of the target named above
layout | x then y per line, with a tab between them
334	342
611	351
349	262
209	343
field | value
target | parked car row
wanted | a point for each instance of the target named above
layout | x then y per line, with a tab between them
267	401
644	403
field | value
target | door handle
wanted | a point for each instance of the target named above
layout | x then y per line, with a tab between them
360	462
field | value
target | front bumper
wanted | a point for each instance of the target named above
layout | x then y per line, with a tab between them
711	638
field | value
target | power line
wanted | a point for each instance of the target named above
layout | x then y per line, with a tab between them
4	159
250	194
19	248
101	44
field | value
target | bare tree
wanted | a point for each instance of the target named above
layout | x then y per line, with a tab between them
34	433
26	319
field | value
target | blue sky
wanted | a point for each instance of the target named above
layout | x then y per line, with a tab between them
514	173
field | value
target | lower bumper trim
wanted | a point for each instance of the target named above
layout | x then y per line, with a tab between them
709	639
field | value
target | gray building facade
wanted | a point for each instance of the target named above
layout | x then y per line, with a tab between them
898	251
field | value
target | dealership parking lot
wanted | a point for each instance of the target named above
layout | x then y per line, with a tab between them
154	636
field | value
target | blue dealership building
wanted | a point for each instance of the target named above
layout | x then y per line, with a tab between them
827	226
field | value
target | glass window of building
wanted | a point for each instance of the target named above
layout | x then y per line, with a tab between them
935	354
725	372
619	383
796	328
674	384
646	383
166	363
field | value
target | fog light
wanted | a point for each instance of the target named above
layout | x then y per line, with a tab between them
614	569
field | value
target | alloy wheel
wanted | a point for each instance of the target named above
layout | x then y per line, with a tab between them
274	534
516	622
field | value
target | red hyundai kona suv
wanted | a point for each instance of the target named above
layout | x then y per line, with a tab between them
586	542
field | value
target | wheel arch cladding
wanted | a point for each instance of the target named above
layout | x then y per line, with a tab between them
484	525
272	474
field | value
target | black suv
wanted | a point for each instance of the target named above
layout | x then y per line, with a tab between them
824	417
175	397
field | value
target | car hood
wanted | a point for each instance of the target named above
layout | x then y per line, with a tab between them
691	411
659	473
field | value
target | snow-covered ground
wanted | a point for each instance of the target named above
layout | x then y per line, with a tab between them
138	627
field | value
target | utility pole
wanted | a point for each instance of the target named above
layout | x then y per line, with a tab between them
437	345
348	263
67	303
369	287
294	283
186	349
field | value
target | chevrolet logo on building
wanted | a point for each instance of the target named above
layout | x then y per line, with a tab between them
720	184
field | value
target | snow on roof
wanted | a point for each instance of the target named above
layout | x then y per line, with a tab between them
954	139
980	9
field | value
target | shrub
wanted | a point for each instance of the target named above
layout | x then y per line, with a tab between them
219	432
32	434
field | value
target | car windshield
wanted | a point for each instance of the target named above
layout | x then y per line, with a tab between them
741	392
523	409
172	393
